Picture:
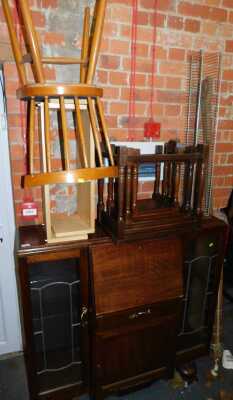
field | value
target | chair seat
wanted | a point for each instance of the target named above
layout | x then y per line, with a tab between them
39	91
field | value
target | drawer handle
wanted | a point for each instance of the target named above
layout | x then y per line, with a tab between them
140	314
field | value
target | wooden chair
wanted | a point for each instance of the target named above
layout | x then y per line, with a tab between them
83	94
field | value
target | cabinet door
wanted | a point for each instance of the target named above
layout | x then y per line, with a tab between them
202	266
55	305
138	350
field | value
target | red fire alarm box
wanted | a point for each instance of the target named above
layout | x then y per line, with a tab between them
152	130
29	209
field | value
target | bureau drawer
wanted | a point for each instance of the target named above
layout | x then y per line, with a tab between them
145	316
129	275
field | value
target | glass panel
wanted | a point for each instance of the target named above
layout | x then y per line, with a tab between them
35	297
213	271
76	302
56	315
55	297
68	376
199	275
200	280
38	340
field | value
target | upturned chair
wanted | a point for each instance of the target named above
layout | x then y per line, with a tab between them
42	93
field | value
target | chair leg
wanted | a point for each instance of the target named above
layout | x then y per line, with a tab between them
99	20
64	133
31	135
47	133
104	129
95	130
85	44
80	133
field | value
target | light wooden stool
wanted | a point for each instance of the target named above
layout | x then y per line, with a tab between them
41	97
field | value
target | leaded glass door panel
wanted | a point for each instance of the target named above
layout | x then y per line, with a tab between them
55	295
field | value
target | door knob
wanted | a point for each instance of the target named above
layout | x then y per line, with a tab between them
83	313
1	240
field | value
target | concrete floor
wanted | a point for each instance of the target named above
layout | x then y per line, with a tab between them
13	378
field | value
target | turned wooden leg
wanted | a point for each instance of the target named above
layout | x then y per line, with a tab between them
188	372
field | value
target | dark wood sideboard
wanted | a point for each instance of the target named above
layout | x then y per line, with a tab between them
100	316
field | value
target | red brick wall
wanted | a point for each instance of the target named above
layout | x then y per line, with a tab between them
183	26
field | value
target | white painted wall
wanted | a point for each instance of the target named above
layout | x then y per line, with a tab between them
10	336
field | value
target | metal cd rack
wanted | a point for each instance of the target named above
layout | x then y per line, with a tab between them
203	87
